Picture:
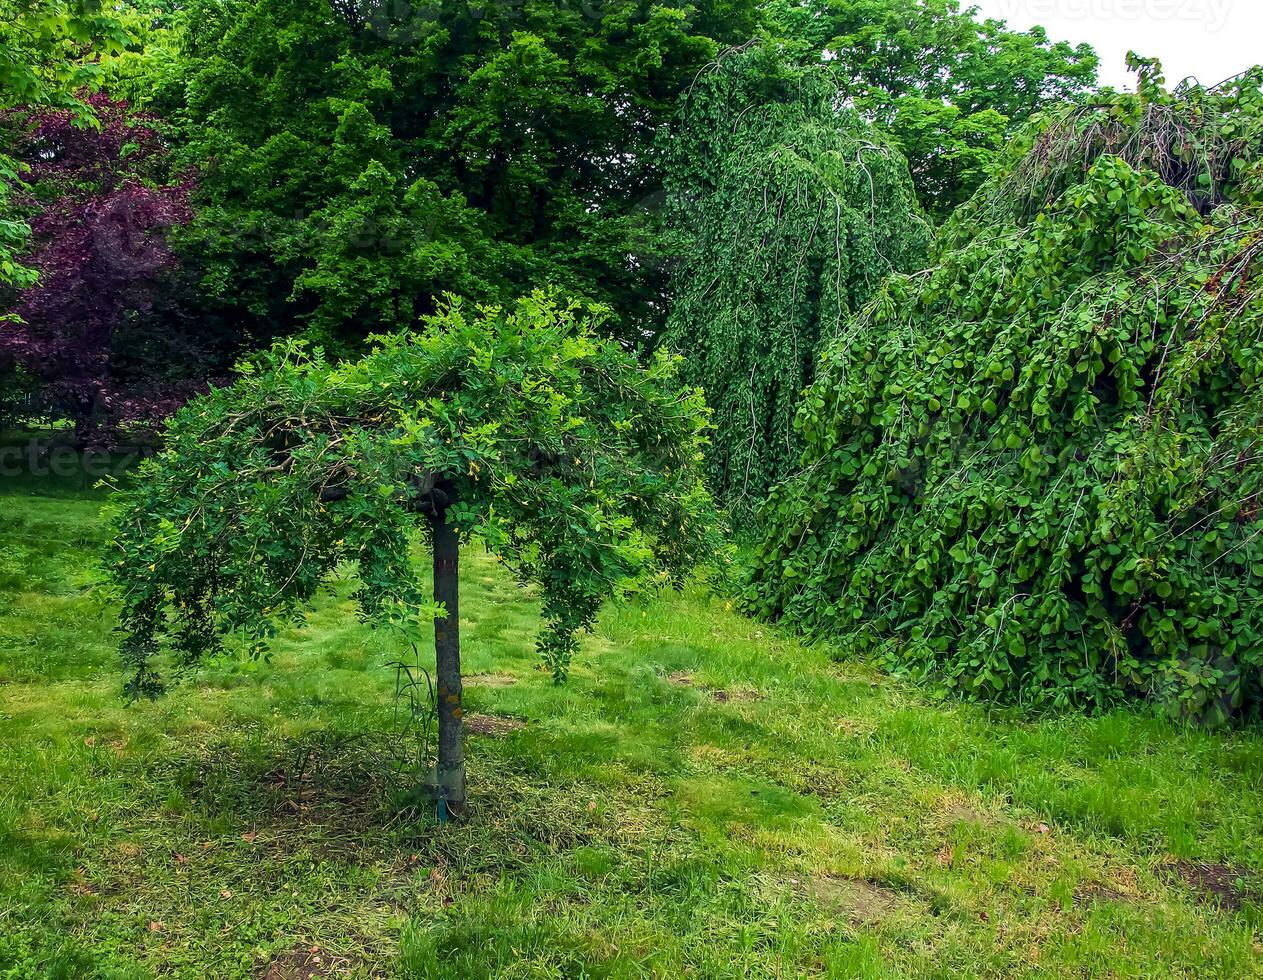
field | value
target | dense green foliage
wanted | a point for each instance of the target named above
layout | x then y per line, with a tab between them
47	49
1034	470
945	84
357	160
361	159
49	52
793	211
578	468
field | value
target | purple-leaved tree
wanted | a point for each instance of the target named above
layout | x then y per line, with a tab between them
88	345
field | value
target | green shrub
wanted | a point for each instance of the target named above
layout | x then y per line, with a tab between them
1033	471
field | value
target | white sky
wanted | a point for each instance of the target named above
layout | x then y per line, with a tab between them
1209	39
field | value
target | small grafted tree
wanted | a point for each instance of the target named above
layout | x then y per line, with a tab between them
577	467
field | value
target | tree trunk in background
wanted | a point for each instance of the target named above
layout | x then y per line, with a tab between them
451	761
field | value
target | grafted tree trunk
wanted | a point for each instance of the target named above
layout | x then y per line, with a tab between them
450	783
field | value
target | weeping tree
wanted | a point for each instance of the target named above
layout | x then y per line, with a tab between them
790	211
577	468
1033	472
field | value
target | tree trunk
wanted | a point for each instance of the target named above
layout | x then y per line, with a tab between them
451	762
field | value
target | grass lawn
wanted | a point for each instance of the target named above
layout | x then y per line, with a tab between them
705	798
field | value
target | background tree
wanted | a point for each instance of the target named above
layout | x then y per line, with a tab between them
360	158
792	210
48	52
96	340
1033	471
947	85
577	467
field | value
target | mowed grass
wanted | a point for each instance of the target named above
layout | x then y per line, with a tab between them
706	797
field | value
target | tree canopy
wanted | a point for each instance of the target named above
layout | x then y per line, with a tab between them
792	210
945	83
48	49
577	467
49	54
359	160
1033	470
354	161
96	341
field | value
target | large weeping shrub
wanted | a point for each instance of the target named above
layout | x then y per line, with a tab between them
1033	471
791	211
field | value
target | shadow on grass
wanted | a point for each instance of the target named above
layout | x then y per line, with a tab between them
321	788
353	780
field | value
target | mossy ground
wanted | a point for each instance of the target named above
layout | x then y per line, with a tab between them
704	798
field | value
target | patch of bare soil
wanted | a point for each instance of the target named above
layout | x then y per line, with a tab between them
859	899
494	725
684	678
490	680
336	781
962	813
955	808
809	779
853	727
1095	891
305	963
1225	884
736	694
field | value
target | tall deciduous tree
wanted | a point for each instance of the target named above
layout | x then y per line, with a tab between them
792	211
947	84
576	466
48	55
85	338
360	158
